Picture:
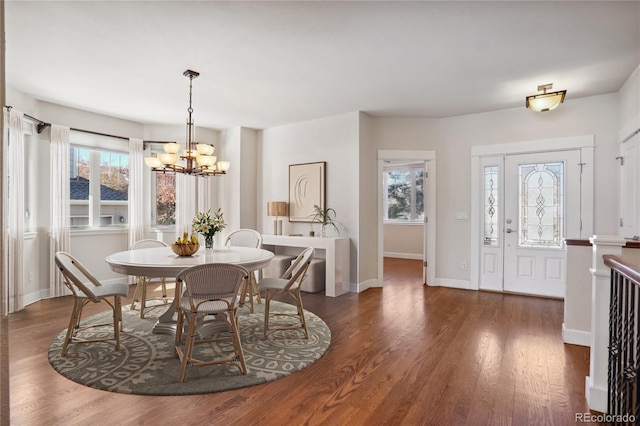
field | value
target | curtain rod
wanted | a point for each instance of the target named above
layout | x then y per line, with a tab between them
43	124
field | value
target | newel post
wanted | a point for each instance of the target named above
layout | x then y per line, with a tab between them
596	382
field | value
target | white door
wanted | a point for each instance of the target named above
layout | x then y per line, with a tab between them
425	230
630	188
541	209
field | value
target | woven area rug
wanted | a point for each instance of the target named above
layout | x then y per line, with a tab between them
145	364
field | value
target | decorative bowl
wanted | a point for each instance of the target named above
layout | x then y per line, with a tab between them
185	249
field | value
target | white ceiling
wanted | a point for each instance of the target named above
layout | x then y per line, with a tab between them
265	64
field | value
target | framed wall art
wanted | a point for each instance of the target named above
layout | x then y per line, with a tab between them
306	190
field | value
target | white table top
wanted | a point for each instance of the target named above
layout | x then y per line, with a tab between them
162	262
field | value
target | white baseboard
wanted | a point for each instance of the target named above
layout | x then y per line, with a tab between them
123	280
360	287
576	337
35	296
411	256
597	397
453	283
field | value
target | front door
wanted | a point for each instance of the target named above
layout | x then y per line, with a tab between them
542	208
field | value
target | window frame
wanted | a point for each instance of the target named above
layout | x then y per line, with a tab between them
93	203
412	167
156	148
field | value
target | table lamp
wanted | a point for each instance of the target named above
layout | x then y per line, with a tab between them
277	208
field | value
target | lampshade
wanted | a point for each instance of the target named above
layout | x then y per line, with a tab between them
205	149
206	160
276	208
223	166
168	158
545	101
152	162
172	147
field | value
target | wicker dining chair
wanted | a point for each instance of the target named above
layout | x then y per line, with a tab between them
247	238
140	293
210	290
288	284
86	288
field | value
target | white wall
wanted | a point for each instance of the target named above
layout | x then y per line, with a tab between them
239	188
452	139
348	144
404	241
331	139
368	192
629	105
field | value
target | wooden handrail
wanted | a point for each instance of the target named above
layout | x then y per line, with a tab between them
629	267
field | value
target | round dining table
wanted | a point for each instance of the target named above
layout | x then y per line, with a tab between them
163	262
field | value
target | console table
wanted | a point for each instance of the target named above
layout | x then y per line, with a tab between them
337	257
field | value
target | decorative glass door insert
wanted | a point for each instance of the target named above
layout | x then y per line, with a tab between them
541	204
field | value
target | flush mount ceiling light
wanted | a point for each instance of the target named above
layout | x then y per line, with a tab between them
545	101
198	157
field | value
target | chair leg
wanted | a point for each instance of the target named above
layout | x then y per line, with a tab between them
303	320
179	325
267	300
250	290
143	298
73	323
188	347
163	280
232	321
136	293
243	292
256	286
117	320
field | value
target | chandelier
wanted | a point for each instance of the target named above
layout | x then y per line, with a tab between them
198	157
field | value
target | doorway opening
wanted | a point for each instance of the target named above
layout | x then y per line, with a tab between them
408	215
527	199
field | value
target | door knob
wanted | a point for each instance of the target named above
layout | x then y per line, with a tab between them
509	230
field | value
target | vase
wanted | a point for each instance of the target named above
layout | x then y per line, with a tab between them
208	242
323	230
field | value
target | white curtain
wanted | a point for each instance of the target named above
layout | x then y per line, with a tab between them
185	203
59	227
136	196
13	214
205	194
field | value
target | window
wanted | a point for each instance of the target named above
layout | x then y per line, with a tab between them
165	199
491	206
99	187
163	195
404	187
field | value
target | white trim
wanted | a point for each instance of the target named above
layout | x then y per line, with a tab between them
576	337
360	287
596	397
584	143
542	145
393	154
395	255
430	202
453	283
36	296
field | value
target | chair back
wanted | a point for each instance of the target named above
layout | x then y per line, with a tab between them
212	281
298	269
140	244
244	238
76	277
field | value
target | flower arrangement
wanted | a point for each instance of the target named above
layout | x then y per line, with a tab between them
326	217
208	224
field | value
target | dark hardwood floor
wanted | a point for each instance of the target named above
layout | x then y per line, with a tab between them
403	354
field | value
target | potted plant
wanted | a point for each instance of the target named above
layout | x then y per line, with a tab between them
326	217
